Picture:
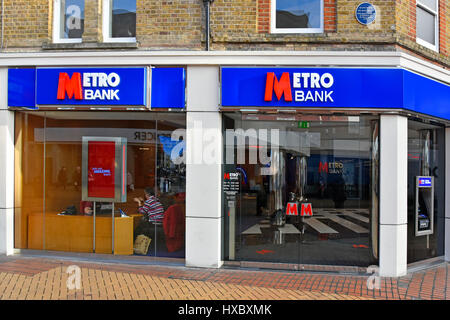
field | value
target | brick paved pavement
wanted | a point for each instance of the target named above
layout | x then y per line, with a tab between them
33	278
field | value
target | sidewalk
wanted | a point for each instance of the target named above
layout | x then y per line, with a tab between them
34	278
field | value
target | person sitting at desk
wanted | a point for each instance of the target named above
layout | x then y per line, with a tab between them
151	208
152	211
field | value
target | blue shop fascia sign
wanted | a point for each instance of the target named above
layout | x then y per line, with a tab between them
91	87
334	88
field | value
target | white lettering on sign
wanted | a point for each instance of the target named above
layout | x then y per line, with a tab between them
101	80
312	80
313	96
101	94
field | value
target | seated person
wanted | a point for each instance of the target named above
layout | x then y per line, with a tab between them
151	208
86	207
152	211
174	224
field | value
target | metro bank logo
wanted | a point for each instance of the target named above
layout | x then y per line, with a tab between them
92	86
305	209
96	85
304	87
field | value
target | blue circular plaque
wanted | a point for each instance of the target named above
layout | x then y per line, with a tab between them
365	13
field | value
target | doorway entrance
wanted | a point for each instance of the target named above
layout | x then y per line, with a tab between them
327	166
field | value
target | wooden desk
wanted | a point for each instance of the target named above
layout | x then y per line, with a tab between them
75	233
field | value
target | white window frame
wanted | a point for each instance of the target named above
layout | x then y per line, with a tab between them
274	29
107	25
434	47
56	32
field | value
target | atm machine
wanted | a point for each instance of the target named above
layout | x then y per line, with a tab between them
424	209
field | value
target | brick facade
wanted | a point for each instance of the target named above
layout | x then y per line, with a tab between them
234	25
264	16
444	29
329	15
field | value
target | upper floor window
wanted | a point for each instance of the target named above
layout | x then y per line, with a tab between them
296	16
119	20
427	23
68	21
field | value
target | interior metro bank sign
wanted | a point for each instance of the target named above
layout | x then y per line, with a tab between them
91	86
312	87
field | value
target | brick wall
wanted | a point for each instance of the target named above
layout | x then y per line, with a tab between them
444	29
263	16
26	23
329	16
174	23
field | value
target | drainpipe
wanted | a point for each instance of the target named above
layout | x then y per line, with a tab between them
207	4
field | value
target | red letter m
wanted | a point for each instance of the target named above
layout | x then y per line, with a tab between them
323	167
71	86
291	209
280	87
306	210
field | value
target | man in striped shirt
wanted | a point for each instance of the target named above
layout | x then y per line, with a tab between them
151	208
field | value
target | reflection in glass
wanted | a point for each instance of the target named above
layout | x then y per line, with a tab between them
123	19
429	3
425	158
329	169
426	28
298	13
72	14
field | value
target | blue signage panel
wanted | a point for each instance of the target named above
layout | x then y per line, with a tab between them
312	87
365	13
168	88
426	96
91	86
21	88
425	182
334	88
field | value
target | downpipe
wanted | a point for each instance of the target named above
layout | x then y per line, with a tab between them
207	4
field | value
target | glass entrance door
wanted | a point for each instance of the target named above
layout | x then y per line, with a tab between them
307	189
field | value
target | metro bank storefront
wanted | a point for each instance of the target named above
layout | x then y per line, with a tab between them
281	167
87	149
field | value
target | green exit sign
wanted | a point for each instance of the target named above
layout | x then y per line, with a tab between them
303	124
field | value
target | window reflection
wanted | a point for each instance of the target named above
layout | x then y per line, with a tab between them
327	168
123	19
425	158
298	13
72	23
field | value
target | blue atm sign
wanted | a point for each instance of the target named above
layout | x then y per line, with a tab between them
424	182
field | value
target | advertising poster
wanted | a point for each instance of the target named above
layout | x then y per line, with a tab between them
101	171
104	169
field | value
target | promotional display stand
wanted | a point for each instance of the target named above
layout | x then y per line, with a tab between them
104	173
